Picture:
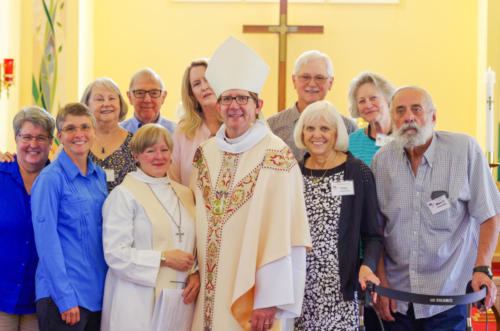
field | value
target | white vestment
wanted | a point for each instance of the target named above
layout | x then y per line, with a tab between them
251	228
130	302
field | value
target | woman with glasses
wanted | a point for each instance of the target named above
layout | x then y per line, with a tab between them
342	209
199	122
66	206
369	98
34	129
110	149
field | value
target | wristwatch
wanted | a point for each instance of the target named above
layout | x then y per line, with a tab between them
485	270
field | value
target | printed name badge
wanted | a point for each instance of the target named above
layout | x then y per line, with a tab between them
383	139
345	187
110	175
439	204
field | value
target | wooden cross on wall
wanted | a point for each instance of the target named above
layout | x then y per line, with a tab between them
282	30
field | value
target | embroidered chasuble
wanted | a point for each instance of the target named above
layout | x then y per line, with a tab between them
249	212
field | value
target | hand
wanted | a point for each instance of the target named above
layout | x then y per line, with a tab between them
479	279
178	260
6	157
386	306
71	316
192	288
366	274
262	319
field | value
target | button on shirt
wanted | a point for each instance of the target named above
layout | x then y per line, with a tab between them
18	256
433	253
133	124
66	212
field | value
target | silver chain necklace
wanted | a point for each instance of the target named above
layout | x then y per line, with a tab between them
179	226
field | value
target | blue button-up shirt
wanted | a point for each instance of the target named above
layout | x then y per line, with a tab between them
18	256
433	253
67	221
133	124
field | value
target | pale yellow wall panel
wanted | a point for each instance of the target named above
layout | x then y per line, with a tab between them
425	42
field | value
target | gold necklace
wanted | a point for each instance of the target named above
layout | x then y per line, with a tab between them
315	181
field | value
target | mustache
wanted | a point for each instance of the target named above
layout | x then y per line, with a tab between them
407	126
312	90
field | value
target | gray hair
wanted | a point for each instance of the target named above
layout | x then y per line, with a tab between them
35	115
110	85
149	74
380	83
322	110
429	104
75	109
311	56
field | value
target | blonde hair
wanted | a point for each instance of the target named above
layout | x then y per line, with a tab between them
110	85
147	136
326	111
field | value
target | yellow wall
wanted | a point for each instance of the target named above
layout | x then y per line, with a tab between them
425	42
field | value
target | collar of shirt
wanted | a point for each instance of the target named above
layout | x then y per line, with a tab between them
70	167
429	154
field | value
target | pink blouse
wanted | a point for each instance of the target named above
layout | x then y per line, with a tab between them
184	149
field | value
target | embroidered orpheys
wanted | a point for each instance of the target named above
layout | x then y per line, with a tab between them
221	201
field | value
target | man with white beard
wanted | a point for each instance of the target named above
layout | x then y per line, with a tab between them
440	210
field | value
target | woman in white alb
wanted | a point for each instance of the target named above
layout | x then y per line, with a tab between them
149	242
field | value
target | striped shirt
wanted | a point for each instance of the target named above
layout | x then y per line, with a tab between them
433	253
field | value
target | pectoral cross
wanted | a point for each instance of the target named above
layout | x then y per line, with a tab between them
179	234
282	29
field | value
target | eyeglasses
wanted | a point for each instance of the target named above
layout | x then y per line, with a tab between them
70	129
141	94
319	79
240	99
27	138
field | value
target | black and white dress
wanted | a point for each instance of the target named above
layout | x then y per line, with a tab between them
324	308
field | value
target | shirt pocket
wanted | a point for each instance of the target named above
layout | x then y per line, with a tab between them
450	219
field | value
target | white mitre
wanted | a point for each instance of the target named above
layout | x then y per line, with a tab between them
234	65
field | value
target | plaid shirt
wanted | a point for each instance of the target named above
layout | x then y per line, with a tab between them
433	253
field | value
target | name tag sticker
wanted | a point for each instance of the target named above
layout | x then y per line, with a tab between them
439	204
110	175
382	139
345	187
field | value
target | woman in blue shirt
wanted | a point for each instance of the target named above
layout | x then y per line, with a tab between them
33	129
66	212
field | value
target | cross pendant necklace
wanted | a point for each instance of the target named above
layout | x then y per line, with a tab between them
179	233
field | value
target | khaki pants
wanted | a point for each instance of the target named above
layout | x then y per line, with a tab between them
12	322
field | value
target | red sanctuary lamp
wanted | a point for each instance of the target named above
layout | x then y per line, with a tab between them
8	75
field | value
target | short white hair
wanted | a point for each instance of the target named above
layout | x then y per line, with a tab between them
311	56
149	74
326	111
429	104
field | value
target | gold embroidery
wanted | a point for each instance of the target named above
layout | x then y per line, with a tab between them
282	160
220	203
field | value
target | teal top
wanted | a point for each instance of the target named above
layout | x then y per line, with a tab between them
362	146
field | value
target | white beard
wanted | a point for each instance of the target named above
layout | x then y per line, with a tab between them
413	139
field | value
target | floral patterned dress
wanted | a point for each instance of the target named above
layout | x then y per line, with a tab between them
324	308
120	161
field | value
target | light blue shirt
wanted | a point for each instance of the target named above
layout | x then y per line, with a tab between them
433	253
362	146
67	222
133	124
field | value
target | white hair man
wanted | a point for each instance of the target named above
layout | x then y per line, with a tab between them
441	212
147	94
312	79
